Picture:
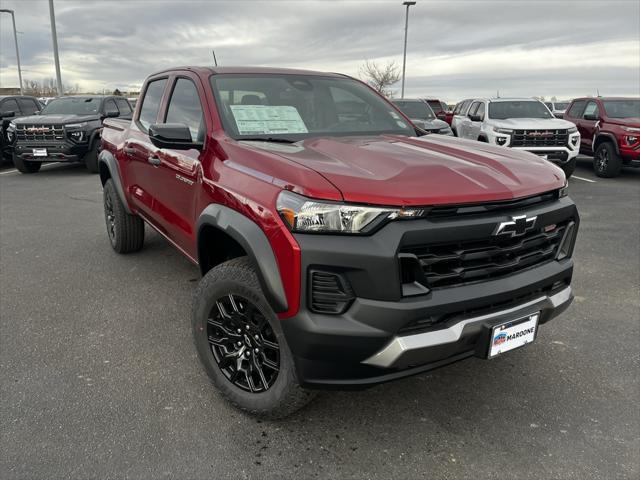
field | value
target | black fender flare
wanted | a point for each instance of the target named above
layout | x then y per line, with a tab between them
609	136
106	159
95	136
253	240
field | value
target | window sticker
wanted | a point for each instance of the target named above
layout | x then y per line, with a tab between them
267	119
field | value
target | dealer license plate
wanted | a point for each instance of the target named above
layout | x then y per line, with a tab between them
513	334
39	152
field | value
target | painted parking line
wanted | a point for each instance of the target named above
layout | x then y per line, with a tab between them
583	179
16	171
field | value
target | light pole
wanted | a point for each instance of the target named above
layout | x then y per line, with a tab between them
56	59
15	38
406	29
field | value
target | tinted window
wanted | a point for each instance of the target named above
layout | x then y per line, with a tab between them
293	107
549	105
561	105
592	109
435	105
480	111
576	109
123	106
464	110
473	108
518	109
28	106
185	108
110	106
151	103
622	108
9	106
456	109
418	110
73	105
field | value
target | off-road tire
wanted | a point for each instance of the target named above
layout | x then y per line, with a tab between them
25	166
606	162
91	157
128	230
238	277
569	167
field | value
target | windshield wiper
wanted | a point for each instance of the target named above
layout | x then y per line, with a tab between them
267	139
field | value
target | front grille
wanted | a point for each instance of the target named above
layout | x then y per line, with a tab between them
39	133
539	138
457	263
330	292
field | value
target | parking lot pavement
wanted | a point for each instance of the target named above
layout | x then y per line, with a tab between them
99	377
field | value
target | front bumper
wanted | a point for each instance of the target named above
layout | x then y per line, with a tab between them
369	342
56	151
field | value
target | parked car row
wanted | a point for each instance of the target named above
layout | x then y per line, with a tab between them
607	128
67	129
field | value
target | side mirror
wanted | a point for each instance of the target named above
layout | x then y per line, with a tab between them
591	116
475	118
441	115
111	114
7	114
176	136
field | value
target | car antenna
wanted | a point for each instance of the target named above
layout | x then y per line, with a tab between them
215	60
598	92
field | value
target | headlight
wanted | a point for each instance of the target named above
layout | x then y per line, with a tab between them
506	131
306	215
11	127
77	135
76	125
572	130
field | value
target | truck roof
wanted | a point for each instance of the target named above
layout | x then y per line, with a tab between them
239	69
606	98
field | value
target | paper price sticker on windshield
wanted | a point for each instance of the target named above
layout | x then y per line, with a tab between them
267	119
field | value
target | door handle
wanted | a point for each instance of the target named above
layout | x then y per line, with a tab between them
129	150
155	161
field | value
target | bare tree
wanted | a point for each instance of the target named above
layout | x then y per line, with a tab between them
380	77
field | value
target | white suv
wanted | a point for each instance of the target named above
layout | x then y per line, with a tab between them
525	124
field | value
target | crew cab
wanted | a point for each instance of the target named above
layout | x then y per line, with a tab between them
523	124
66	130
11	107
422	116
610	131
338	247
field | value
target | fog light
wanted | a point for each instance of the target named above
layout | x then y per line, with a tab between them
77	136
574	140
501	140
631	139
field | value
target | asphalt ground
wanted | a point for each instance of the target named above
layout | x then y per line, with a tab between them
99	377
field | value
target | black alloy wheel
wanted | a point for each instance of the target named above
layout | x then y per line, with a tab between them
243	344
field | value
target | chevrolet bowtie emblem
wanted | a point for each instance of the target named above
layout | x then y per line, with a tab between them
516	226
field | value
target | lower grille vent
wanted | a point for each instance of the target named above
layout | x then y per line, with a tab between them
330	292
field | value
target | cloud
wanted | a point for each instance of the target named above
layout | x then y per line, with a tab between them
456	48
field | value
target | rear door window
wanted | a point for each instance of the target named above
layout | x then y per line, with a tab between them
110	106
151	103
9	106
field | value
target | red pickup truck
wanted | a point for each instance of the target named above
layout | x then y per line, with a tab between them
338	247
610	131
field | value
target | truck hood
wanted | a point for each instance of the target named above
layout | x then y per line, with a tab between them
432	124
532	123
625	122
431	170
55	119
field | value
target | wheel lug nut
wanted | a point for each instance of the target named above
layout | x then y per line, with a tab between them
256	350
247	353
239	331
239	344
256	337
247	327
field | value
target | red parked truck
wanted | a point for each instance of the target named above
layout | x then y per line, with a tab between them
338	248
610	131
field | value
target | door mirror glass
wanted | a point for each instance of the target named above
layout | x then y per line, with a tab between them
590	116
7	114
111	114
176	136
474	118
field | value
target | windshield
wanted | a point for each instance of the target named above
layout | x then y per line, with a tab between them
622	108
418	110
295	107
518	109
73	105
561	105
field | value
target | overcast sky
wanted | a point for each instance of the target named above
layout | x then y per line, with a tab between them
456	49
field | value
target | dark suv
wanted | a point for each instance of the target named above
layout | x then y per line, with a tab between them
610	131
12	107
68	129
